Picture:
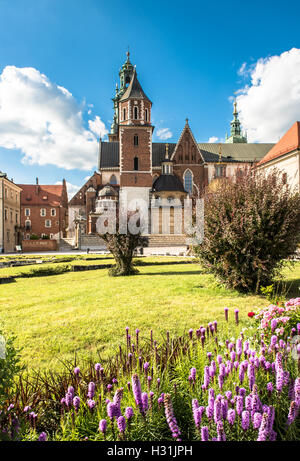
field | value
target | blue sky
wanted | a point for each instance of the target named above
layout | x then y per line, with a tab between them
191	57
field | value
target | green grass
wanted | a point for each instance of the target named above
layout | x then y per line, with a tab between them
86	312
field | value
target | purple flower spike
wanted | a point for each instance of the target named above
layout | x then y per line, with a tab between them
43	437
91	390
257	417
220	431
111	410
193	373
264	428
293	411
226	313
236	313
171	420
76	403
145	401
231	417
91	404
128	413
204	434
77	372
103	426
121	423
137	392
245	420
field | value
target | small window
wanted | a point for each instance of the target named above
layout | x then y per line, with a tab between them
146	115
8	236
27	211
124	114
136	164
113	180
5	215
5	193
11	216
136	113
135	140
51	236
188	181
27	224
43	211
48	223
16	218
53	212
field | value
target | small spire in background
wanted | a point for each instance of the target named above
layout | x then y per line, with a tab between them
220	153
167	151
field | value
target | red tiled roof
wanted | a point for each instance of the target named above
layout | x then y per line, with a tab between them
290	141
36	194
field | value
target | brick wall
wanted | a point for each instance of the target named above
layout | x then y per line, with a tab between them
39	245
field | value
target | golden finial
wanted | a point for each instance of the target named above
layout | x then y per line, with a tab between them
167	151
220	153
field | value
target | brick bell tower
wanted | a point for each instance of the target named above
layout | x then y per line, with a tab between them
135	141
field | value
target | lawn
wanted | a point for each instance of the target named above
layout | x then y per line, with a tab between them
85	313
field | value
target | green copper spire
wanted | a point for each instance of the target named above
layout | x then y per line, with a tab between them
235	130
125	74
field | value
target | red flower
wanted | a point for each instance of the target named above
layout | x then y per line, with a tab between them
251	314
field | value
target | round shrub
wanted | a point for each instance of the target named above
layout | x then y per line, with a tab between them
250	227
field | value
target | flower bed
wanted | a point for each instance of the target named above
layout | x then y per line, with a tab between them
216	383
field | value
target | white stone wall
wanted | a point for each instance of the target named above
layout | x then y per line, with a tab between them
289	164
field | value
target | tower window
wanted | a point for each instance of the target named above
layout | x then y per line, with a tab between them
135	140
124	114
136	113
188	181
146	115
135	163
113	179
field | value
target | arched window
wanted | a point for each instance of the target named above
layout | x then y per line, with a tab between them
135	140
146	115
113	179
188	181
135	112
124	114
135	163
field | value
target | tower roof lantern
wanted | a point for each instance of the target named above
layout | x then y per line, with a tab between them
134	90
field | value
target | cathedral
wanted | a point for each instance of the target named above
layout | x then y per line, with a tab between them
130	163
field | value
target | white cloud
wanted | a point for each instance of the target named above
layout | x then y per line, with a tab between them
213	139
164	133
45	122
242	69
270	104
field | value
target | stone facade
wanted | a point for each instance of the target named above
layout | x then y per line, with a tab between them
9	214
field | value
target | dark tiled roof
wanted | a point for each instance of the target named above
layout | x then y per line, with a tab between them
134	90
167	182
159	152
231	153
109	155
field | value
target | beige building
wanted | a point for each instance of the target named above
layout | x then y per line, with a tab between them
285	156
9	214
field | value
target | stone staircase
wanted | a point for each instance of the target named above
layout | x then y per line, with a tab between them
93	242
66	244
166	240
